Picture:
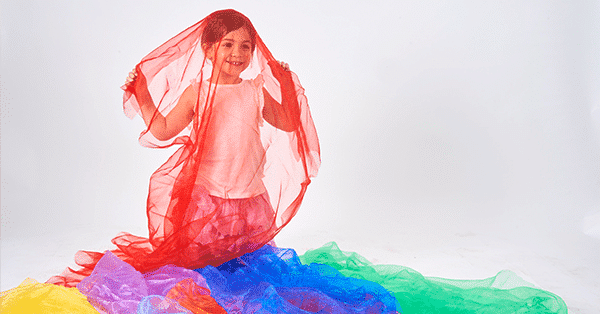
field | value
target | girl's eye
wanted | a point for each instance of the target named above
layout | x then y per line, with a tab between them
246	47
228	45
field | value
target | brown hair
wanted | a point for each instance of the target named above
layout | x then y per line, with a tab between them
220	23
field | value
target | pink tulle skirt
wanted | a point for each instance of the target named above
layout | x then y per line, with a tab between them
240	218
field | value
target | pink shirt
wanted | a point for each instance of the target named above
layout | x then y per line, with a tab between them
232	166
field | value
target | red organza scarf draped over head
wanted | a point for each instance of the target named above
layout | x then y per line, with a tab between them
188	225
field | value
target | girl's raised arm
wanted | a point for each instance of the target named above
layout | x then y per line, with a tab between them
163	128
285	115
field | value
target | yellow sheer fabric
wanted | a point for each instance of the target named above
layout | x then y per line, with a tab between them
34	297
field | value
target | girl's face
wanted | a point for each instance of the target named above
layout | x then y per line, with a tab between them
232	56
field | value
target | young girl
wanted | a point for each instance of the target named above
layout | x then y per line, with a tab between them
248	151
248	148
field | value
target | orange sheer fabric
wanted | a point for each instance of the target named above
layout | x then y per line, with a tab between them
188	225
194	298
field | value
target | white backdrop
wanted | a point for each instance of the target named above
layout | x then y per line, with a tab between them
443	125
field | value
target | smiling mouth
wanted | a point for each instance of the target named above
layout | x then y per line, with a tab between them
236	63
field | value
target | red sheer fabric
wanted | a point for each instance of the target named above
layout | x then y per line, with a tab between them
188	225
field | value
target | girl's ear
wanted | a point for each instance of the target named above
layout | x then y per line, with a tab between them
209	51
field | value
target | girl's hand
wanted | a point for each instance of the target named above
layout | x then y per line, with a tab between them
284	65
136	82
131	77
279	69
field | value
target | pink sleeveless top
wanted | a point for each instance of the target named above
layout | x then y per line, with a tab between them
232	166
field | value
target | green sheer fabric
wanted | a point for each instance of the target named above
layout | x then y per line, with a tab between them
504	293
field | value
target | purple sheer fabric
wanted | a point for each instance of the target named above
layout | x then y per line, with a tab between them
116	287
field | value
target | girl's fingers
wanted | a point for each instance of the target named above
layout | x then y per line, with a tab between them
284	65
131	77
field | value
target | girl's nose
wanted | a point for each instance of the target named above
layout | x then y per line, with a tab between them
236	52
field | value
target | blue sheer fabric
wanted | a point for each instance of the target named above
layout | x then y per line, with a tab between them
156	304
273	280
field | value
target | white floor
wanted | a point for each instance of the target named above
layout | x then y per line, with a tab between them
466	256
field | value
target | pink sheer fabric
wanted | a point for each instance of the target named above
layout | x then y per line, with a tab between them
188	226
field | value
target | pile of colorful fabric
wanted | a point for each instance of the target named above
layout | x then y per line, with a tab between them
276	280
